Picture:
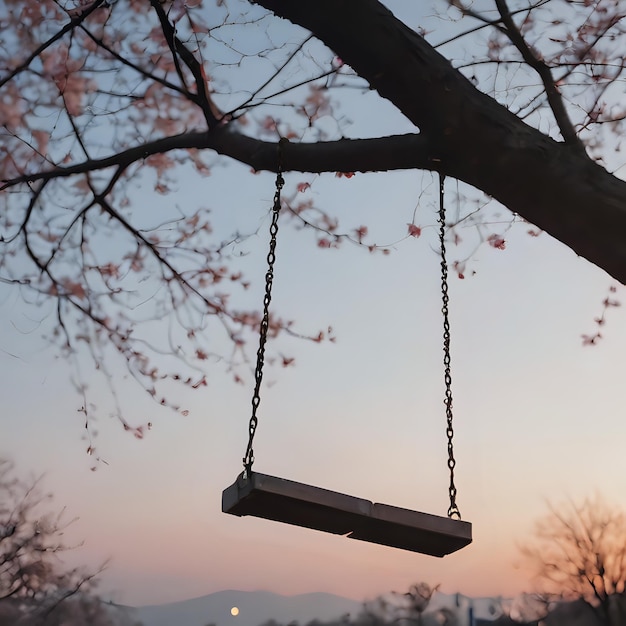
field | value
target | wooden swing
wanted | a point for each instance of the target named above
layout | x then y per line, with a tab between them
290	502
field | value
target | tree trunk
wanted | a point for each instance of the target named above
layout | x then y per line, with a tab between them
553	185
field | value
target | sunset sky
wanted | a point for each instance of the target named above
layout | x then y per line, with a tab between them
538	417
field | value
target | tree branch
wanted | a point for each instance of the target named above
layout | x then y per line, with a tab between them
345	155
202	97
127	62
553	185
74	22
554	97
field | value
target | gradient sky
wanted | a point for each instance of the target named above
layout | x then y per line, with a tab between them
538	417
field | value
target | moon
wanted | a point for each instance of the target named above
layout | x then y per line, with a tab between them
234	611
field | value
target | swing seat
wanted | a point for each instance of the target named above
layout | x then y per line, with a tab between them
295	503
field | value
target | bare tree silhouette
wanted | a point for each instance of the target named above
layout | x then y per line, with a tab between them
36	588
578	552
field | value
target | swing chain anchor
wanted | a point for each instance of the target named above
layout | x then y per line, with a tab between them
248	459
453	509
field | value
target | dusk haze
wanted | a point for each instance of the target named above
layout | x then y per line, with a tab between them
170	168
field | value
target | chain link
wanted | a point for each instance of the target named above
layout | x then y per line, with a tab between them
453	509
248	459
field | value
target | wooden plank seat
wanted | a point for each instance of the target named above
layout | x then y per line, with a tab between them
295	503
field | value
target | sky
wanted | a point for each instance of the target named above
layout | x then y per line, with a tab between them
538	417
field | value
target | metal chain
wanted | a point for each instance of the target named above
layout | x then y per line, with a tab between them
453	509
248	459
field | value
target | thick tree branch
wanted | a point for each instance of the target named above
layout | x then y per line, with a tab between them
464	133
345	155
553	185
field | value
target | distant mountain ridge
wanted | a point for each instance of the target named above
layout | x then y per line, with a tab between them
255	608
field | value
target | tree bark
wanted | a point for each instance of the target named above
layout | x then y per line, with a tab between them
553	185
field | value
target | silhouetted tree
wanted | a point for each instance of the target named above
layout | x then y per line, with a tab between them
36	589
579	553
406	608
414	603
